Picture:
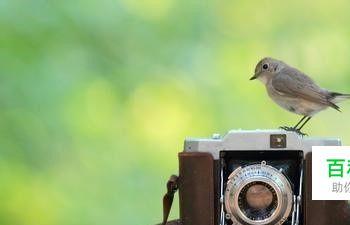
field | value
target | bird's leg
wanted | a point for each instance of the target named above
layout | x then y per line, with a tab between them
286	128
304	123
298	130
302	119
295	128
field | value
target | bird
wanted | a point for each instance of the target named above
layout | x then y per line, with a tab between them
295	91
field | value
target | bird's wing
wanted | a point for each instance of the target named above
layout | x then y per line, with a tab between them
293	83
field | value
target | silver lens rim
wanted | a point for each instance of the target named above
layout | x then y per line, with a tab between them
241	177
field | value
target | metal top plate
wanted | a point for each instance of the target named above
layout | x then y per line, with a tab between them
254	140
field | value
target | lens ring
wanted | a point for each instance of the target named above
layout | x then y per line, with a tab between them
258	200
241	179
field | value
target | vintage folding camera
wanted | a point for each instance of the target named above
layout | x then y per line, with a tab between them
253	178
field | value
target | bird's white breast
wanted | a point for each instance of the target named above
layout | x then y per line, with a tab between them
263	79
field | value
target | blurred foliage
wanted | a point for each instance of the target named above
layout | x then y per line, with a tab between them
96	97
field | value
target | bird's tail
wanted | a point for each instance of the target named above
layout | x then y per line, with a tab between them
338	97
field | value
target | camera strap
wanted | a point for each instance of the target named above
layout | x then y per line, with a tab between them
172	186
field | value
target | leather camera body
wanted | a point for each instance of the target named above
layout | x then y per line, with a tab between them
251	177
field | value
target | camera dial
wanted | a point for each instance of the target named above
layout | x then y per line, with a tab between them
258	194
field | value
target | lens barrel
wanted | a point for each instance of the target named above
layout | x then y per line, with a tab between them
258	194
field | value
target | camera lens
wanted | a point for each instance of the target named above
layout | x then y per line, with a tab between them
258	194
257	200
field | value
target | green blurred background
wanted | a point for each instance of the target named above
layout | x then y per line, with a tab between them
96	97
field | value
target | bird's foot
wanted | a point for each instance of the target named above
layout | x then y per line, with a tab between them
288	128
294	130
301	133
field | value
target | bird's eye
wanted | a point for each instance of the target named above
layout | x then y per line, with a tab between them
265	66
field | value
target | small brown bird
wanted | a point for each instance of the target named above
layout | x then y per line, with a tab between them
295	91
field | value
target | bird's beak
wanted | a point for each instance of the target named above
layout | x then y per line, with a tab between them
253	77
